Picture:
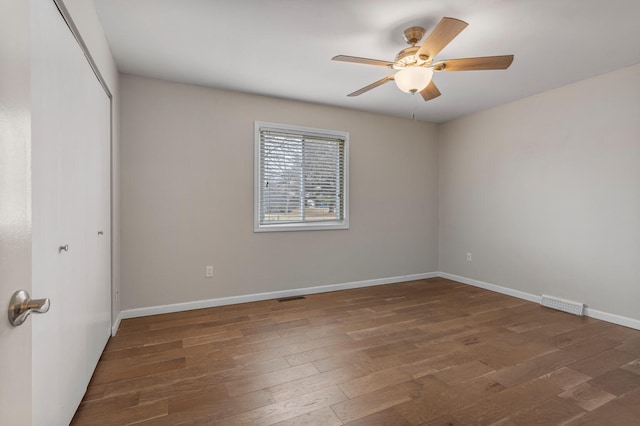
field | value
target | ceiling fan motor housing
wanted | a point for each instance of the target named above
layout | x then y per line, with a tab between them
413	35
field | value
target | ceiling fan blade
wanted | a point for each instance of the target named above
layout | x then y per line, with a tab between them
366	61
446	30
372	86
474	64
430	92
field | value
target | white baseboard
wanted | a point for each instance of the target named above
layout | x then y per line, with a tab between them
493	287
232	300
613	318
590	312
116	324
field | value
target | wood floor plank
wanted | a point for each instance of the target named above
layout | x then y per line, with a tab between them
587	396
553	411
289	409
315	382
102	407
320	417
631	346
463	373
428	351
601	363
373	402
292	349
206	384
151	381
629	401
532	368
245	371
372	382
633	366
617	381
437	399
125	416
387	417
502	404
105	374
262	381
140	350
341	349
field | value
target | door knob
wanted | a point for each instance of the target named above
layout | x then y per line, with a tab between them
21	305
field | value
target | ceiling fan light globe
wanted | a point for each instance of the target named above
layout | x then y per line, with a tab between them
413	79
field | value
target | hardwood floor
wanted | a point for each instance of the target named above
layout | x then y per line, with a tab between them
432	352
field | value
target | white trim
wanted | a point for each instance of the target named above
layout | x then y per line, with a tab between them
613	318
232	300
306	226
590	312
116	324
493	287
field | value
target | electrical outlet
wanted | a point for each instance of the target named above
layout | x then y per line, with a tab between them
469	257
209	272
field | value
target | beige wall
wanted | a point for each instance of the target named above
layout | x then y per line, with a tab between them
545	193
187	197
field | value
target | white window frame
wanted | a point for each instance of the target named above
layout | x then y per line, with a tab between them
305	226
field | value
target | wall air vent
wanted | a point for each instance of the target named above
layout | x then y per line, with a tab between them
569	306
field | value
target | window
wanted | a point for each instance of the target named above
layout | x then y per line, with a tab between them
301	178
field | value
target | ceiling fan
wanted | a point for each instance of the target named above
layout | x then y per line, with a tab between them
416	65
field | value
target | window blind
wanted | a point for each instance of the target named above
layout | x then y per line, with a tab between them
302	177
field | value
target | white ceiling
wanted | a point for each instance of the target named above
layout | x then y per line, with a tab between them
283	48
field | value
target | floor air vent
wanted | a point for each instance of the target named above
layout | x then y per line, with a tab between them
289	299
569	306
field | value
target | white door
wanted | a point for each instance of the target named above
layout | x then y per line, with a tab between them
70	116
15	210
